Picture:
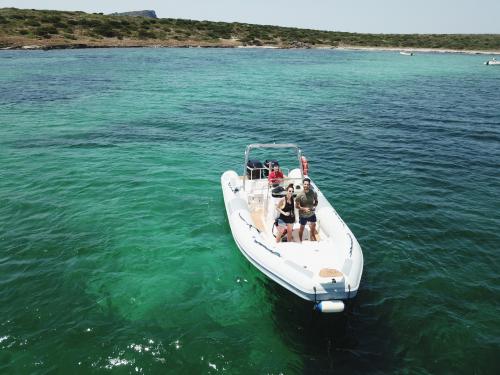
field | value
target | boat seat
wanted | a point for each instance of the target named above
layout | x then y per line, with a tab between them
330	272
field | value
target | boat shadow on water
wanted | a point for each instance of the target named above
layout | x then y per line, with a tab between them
352	340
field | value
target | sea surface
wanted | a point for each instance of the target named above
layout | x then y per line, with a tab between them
115	251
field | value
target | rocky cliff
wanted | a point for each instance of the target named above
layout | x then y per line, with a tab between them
137	13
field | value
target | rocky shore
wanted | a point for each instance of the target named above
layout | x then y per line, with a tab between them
57	45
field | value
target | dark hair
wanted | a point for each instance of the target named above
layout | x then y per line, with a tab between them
290	186
306	179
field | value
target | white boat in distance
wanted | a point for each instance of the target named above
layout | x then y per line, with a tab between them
493	61
327	271
406	53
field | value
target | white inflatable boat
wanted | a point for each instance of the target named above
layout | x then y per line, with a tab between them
493	61
327	271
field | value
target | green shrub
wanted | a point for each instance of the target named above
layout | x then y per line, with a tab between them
112	23
106	31
60	25
161	35
45	31
132	27
89	22
125	32
32	22
184	23
51	19
5	21
213	35
144	34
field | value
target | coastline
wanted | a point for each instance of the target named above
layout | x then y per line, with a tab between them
34	47
419	50
44	44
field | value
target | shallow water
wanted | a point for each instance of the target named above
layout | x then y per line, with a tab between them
116	253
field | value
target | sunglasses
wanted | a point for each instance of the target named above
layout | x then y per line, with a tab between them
290	191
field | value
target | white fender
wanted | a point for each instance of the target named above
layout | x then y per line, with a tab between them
330	306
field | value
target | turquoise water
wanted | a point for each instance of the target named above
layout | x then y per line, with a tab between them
116	254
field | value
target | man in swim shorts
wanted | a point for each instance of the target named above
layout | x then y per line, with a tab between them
306	202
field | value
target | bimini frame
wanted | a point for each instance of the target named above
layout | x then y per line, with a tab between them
267	146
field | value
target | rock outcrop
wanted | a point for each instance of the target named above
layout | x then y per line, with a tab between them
137	13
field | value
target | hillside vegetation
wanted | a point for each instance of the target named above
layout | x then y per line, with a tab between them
58	29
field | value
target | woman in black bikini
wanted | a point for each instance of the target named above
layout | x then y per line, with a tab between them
287	215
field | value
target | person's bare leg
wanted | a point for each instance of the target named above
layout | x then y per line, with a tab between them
312	228
301	232
280	234
289	229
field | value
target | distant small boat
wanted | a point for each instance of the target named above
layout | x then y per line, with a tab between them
493	61
406	53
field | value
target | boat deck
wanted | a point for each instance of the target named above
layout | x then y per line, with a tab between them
258	219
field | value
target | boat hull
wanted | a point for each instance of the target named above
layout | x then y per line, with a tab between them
298	267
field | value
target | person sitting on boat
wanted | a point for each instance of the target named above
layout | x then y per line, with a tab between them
276	176
306	202
287	215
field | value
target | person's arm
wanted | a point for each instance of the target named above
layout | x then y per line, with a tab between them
280	206
297	204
